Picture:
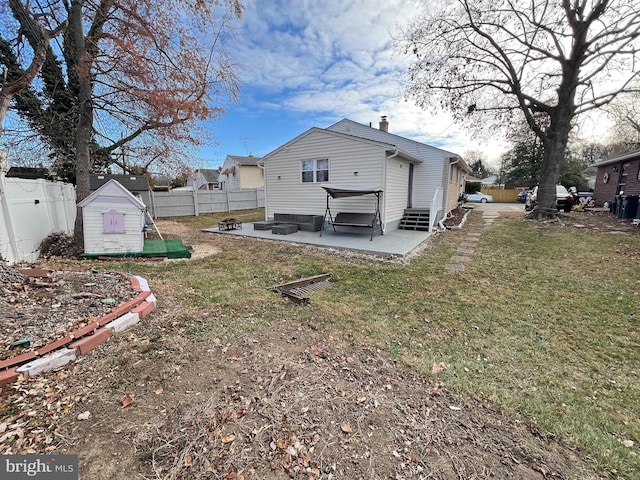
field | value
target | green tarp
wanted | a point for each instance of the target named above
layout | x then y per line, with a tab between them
152	248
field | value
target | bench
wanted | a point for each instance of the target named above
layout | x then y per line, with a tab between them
358	220
367	220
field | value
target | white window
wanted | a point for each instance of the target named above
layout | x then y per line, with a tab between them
113	222
624	174
315	170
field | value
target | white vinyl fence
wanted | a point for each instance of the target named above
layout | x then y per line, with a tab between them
29	211
32	209
181	203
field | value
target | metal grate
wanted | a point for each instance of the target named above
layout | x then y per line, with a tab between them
297	289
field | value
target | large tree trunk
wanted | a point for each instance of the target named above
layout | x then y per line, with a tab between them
552	162
84	129
555	140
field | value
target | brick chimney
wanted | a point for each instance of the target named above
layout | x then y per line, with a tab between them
384	125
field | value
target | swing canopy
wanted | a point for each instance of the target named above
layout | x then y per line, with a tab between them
344	219
342	191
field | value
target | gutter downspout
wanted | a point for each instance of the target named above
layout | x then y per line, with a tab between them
261	166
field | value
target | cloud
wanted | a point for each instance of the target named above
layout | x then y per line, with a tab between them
334	59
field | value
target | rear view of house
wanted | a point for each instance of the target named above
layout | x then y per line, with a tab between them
241	172
437	172
412	177
204	179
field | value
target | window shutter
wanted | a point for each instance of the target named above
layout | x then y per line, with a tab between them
113	222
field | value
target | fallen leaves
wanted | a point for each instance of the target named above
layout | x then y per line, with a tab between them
41	403
228	438
126	401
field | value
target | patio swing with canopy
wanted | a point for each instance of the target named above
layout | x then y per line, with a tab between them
346	219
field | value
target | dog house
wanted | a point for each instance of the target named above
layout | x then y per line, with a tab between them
113	220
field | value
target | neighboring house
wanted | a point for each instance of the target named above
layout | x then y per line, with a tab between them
241	172
113	220
204	179
138	185
490	180
618	176
410	174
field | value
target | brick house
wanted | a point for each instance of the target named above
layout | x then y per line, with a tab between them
617	177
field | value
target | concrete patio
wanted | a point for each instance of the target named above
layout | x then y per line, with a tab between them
396	243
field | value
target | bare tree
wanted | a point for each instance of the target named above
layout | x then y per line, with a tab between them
478	164
16	79
625	113
141	75
494	62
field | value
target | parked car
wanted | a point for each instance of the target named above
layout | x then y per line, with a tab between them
564	200
479	197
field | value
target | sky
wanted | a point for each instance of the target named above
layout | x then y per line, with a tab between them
310	63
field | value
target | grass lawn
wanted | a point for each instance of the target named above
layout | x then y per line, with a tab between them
543	322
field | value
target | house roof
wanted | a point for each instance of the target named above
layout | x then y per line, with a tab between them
210	174
133	183
250	160
386	146
113	189
391	138
29	173
233	161
617	158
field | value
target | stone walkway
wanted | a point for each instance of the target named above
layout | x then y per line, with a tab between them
469	243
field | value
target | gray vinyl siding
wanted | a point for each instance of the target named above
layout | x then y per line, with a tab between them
427	176
288	194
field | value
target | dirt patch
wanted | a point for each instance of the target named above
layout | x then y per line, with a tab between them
290	401
200	242
455	217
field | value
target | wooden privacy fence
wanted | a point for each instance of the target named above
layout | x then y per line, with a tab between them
501	195
182	203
